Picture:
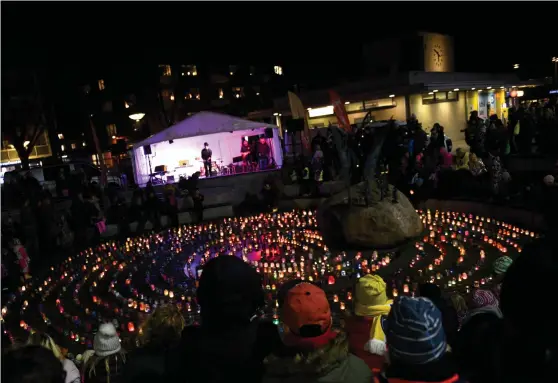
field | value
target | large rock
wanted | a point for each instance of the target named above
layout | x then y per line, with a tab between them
383	224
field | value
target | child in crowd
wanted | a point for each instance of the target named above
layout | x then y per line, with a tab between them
108	360
366	336
42	339
311	350
416	344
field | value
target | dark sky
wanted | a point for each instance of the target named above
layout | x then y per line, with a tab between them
75	39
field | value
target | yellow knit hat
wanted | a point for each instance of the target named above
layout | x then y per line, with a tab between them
370	291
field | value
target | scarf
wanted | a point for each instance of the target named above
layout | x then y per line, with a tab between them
377	342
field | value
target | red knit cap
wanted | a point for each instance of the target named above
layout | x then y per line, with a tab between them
306	304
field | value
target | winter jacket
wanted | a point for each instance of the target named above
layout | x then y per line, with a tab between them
147	364
330	364
109	369
223	355
358	330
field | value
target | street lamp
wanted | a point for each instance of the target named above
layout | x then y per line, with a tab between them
515	66
137	116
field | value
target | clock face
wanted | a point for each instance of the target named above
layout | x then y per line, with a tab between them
437	55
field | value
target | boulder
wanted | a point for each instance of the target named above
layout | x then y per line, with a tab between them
382	224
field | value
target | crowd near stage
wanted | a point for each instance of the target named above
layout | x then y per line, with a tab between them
213	144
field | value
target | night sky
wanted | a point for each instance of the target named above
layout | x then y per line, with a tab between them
77	41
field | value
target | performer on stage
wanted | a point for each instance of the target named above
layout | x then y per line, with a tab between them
245	152
206	154
263	152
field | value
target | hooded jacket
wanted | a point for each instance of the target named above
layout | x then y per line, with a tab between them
330	364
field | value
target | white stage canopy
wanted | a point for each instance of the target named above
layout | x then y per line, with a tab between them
223	133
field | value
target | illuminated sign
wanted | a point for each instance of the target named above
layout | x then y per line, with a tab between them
553	91
319	112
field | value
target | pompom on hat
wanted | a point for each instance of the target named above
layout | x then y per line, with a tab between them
501	265
106	340
370	291
414	331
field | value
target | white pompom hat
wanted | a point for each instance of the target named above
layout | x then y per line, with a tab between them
106	340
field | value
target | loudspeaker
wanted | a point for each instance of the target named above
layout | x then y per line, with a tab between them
268	132
295	125
147	150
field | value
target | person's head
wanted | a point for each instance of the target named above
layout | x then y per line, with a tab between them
245	143
483	299
106	341
32	364
370	292
430	291
476	348
473	159
458	303
500	266
474	115
307	317
414	332
548	180
205	145
262	140
230	293
163	327
44	340
413	117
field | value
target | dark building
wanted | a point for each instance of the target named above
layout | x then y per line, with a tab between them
129	104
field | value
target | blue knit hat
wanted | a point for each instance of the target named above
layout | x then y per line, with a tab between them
414	331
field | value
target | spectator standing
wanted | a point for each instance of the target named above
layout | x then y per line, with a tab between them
198	205
106	365
160	333
31	364
231	342
41	339
311	350
416	344
366	336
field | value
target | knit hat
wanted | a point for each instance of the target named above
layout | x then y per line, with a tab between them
500	266
106	340
370	291
414	331
230	291
484	298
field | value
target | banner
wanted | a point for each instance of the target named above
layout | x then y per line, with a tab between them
104	179
340	112
298	111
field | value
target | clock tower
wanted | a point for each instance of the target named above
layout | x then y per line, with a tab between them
438	52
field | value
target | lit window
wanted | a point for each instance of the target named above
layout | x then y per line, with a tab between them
111	130
278	70
83	143
126	105
165	70
238	92
60	136
221	93
189	70
101	84
62	147
193	94
73	146
232	69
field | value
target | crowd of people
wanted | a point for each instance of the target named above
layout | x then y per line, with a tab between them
425	164
487	336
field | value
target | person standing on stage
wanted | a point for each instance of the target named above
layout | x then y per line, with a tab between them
206	154
263	152
245	152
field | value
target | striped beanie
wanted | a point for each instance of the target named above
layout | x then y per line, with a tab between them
414	332
484	298
501	265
